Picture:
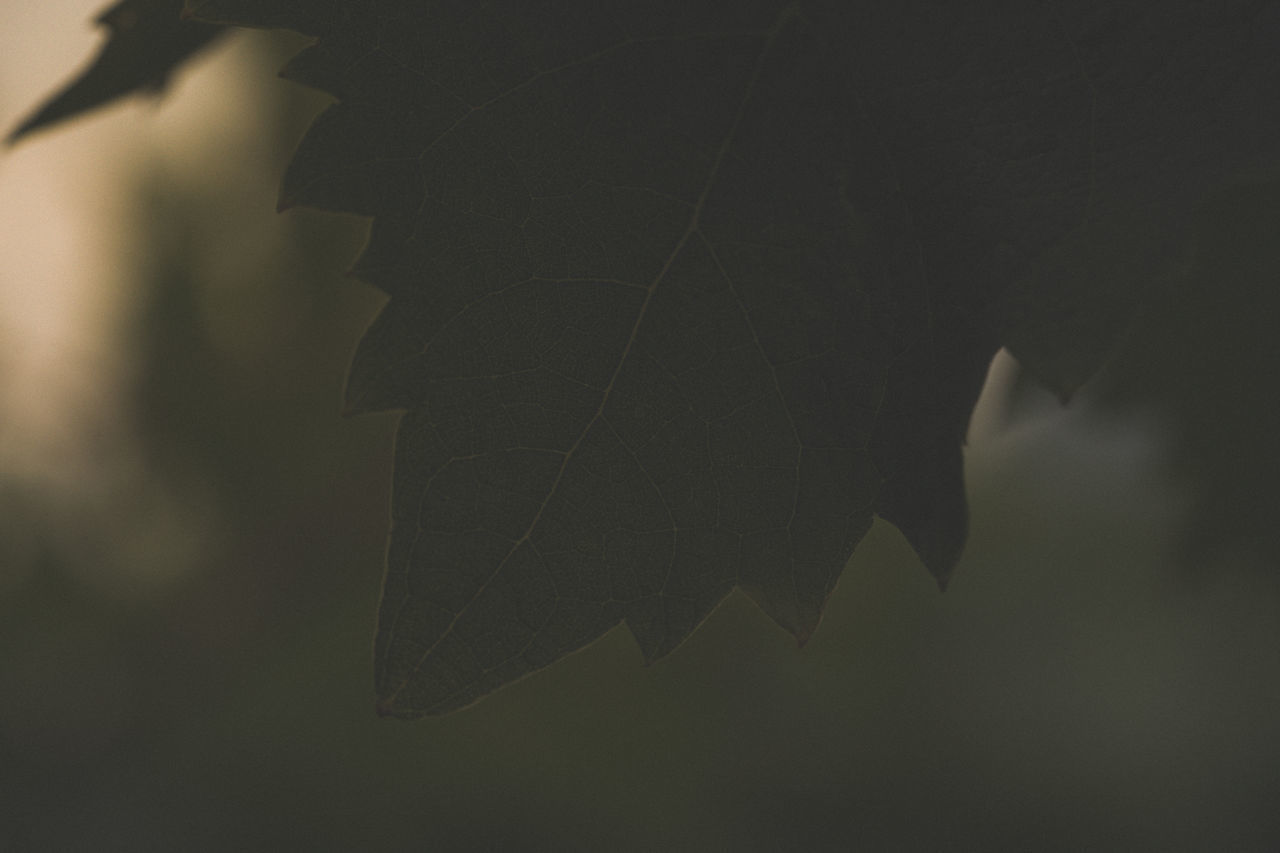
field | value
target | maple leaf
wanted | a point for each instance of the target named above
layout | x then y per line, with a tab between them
148	40
682	295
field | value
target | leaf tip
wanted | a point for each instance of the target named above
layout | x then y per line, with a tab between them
352	407
354	402
805	630
41	118
386	708
941	564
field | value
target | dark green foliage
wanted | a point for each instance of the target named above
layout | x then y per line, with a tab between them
683	294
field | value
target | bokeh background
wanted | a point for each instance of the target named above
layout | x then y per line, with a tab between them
191	541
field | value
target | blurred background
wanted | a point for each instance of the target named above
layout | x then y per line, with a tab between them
191	540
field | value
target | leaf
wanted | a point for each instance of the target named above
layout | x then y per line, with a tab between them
682	294
147	41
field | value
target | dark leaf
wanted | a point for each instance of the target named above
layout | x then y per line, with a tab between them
147	41
682	294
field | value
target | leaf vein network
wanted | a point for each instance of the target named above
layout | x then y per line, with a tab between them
784	17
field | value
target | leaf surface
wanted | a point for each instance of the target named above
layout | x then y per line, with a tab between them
683	294
148	40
